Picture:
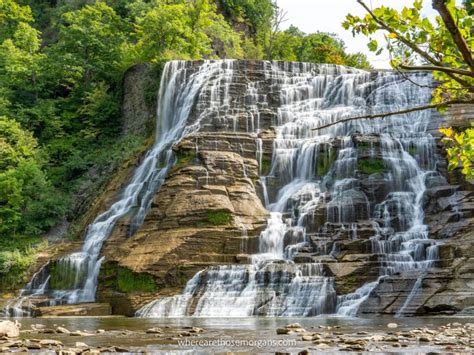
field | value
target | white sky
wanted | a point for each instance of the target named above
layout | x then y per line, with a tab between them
327	16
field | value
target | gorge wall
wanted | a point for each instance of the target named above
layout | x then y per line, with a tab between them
254	212
210	211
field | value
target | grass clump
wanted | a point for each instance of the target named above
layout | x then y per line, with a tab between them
218	218
371	165
16	256
122	279
129	281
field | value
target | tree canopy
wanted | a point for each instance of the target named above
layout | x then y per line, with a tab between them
61	69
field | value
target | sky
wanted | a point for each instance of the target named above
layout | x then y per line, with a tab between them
327	16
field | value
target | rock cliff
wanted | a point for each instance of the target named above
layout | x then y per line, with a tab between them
345	205
210	211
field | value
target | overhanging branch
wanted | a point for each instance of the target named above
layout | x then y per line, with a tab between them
440	6
392	113
413	46
438	68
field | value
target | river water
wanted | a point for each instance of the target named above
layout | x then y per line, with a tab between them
258	332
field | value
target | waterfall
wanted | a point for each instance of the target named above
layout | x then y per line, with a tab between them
74	278
323	172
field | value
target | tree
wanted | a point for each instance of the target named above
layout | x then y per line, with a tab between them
11	16
320	47
182	30
443	48
89	46
28	202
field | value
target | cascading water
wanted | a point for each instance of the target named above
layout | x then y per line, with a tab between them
74	278
323	172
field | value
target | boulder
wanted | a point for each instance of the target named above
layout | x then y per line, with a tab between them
10	329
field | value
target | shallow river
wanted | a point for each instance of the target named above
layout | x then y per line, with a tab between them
222	334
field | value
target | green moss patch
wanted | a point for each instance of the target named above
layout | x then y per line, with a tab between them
183	158
371	165
218	218
266	167
324	160
129	281
124	280
64	276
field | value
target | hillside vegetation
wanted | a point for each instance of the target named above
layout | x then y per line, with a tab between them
62	64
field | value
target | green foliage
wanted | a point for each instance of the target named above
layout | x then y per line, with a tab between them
460	149
129	281
371	165
122	279
320	47
12	15
28	203
218	218
16	256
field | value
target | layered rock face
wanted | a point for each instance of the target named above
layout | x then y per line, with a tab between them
367	240
253	210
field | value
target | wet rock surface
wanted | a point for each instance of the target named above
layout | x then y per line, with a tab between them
210	209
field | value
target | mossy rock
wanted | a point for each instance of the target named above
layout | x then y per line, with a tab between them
124	280
324	161
218	218
64	276
265	167
348	283
371	165
185	157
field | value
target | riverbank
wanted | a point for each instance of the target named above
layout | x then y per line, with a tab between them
75	335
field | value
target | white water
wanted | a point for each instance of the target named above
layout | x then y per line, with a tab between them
311	96
196	95
175	101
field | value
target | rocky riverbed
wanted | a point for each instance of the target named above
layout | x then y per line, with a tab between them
452	337
81	335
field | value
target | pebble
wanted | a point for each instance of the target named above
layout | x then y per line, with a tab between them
63	330
80	344
294	325
392	325
196	330
48	342
323	346
154	331
33	346
425	339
